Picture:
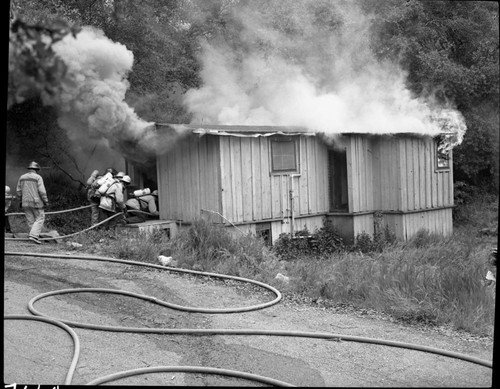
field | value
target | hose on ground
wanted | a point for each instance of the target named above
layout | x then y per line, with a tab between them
52	212
226	310
74	336
75	233
318	335
189	369
151	265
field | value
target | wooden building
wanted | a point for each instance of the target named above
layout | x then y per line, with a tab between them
273	180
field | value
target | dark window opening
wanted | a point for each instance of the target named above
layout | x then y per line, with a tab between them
284	155
337	180
143	176
263	230
442	153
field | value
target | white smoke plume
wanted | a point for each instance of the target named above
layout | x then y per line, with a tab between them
92	105
332	83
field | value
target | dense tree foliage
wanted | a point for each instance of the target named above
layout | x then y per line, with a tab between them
449	49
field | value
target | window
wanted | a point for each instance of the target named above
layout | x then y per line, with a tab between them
263	230
442	153
284	155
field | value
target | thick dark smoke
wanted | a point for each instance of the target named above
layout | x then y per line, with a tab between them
92	104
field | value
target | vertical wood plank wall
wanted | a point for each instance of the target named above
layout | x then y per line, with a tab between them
412	186
250	192
396	175
189	179
360	161
427	187
405	176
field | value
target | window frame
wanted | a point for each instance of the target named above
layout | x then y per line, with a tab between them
439	160
296	146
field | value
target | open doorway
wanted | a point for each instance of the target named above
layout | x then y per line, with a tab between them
142	176
337	180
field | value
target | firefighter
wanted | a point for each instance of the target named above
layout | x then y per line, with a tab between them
113	201
8	202
146	203
31	191
119	175
93	196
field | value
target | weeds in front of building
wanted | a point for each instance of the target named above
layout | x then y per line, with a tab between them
429	279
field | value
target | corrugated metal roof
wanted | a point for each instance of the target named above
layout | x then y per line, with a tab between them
239	130
256	131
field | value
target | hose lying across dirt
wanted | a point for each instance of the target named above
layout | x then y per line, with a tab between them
321	335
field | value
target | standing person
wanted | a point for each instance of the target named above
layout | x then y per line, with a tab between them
8	202
93	196
113	200
146	203
31	190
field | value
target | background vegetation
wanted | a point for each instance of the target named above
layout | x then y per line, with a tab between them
447	48
451	47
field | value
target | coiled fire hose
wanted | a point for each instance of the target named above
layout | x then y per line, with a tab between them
128	373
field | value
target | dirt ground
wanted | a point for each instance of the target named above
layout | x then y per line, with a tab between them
39	353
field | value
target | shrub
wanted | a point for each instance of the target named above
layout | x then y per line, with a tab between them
380	241
327	240
322	243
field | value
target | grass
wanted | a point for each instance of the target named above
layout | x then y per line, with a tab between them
429	279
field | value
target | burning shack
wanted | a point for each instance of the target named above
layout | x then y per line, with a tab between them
273	179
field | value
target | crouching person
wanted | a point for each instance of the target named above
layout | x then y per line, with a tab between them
93	197
113	201
147	204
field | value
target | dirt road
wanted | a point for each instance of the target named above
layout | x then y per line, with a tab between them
39	353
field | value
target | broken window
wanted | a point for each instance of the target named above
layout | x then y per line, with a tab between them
443	148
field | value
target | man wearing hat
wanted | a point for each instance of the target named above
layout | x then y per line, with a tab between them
33	196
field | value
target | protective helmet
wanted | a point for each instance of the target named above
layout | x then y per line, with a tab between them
111	170
7	190
126	179
155	192
120	175
34	165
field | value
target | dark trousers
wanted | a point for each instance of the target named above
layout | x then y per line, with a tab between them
103	215
7	225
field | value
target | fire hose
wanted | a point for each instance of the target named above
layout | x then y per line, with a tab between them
52	212
75	233
78	232
128	373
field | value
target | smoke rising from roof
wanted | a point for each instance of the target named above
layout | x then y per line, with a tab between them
326	80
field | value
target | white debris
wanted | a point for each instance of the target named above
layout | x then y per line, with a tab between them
74	244
282	278
165	261
490	276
